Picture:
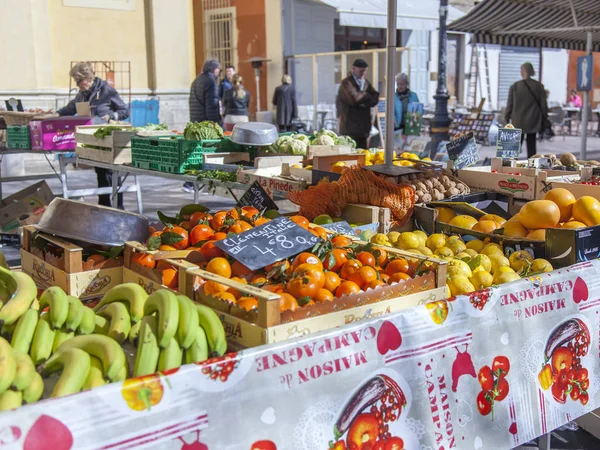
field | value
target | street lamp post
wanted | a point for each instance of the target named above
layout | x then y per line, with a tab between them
441	121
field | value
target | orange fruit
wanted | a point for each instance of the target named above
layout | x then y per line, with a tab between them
335	259
384	277
239	226
169	278
249	211
239	270
306	258
367	259
218	236
156	234
486	226
209	250
233	214
212	287
275	288
538	214
166	248
347	288
381	256
313	271
319	232
144	260
95	259
287	302
323	295
219	266
364	276
399	276
572	224
587	210
332	281
261	221
151	230
184	242
300	220
537	235
349	268
186	225
515	218
225	296
198	217
341	241
218	220
200	233
281	265
247	303
258	279
375	284
302	286
237	294
397	265
515	229
162	265
564	199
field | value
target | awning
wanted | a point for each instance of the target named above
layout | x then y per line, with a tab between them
533	23
412	14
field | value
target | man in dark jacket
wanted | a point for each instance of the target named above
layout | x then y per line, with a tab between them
204	94
356	98
226	83
284	100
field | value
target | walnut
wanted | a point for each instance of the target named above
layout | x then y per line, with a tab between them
426	198
437	195
429	184
404	179
419	185
460	187
412	176
452	192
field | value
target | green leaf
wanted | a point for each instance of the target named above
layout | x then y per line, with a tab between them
154	243
166	219
116	251
170	238
303	301
188	210
474	263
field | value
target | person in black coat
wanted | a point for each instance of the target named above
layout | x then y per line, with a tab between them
284	100
235	102
204	94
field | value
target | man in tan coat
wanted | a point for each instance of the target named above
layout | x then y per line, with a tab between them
356	97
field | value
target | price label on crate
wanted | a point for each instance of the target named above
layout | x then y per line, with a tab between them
509	143
342	227
463	151
274	241
256	196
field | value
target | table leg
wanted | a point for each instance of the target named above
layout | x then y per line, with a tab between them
138	193
196	191
115	188
544	442
62	163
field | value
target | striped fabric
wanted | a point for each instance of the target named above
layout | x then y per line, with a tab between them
492	21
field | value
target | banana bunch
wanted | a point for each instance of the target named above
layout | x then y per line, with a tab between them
17	293
19	381
175	331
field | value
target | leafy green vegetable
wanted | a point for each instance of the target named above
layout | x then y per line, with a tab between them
152	127
103	132
202	131
218	175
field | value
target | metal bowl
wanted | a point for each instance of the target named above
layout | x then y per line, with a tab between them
92	223
254	133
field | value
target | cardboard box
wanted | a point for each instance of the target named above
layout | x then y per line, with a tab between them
56	134
70	276
374	218
572	183
117	146
271	181
24	208
226	162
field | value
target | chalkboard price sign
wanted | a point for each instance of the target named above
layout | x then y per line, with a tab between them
342	227
256	196
509	143
463	151
274	241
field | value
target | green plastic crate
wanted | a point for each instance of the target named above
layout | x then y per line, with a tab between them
171	155
18	136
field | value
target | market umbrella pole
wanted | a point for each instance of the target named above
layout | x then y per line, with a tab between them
390	82
586	107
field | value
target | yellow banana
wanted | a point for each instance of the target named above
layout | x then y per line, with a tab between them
88	321
131	293
165	304
148	352
57	300
134	333
95	376
170	357
5	294
34	391
36	305
102	347
198	351
10	400
75	364
8	365
188	322
60	336
100	325
23	335
75	314
21	299
24	373
215	333
43	338
7	279
119	321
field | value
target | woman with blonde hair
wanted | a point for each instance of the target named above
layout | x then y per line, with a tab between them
235	102
284	100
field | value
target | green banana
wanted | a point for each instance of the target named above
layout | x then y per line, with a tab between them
148	352
21	299
23	335
3	262
8	365
88	321
134	333
57	300
198	351
123	374
35	305
119	321
188	322
34	391
75	314
100	325
10	400
75	364
95	377
165	304
24	373
43	338
8	281
215	333
170	357
4	293
8	330
61	336
131	293
102	347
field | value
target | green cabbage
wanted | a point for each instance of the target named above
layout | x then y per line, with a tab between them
323	139
345	140
202	131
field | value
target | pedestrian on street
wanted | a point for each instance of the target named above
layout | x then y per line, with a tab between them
284	100
356	98
403	97
527	107
105	105
235	102
227	82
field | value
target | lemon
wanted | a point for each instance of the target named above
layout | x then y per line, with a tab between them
454	237
485	262
415	251
463	255
407	163
476	245
444	251
498	261
490	249
435	240
404	154
413	156
308	167
541	265
422	237
463	221
520	260
380	239
397	163
445	214
482	279
459	268
408	240
425	251
445	258
426	159
456	245
478	269
506	277
393	237
469	251
323	219
460	286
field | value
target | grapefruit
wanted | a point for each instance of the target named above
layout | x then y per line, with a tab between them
564	199
515	229
494	217
515	218
539	214
537	235
573	224
486	226
587	211
463	221
445	214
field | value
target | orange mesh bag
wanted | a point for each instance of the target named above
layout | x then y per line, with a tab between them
317	200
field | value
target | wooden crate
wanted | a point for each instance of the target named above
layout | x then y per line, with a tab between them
326	150
572	184
117	146
71	278
148	278
271	181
